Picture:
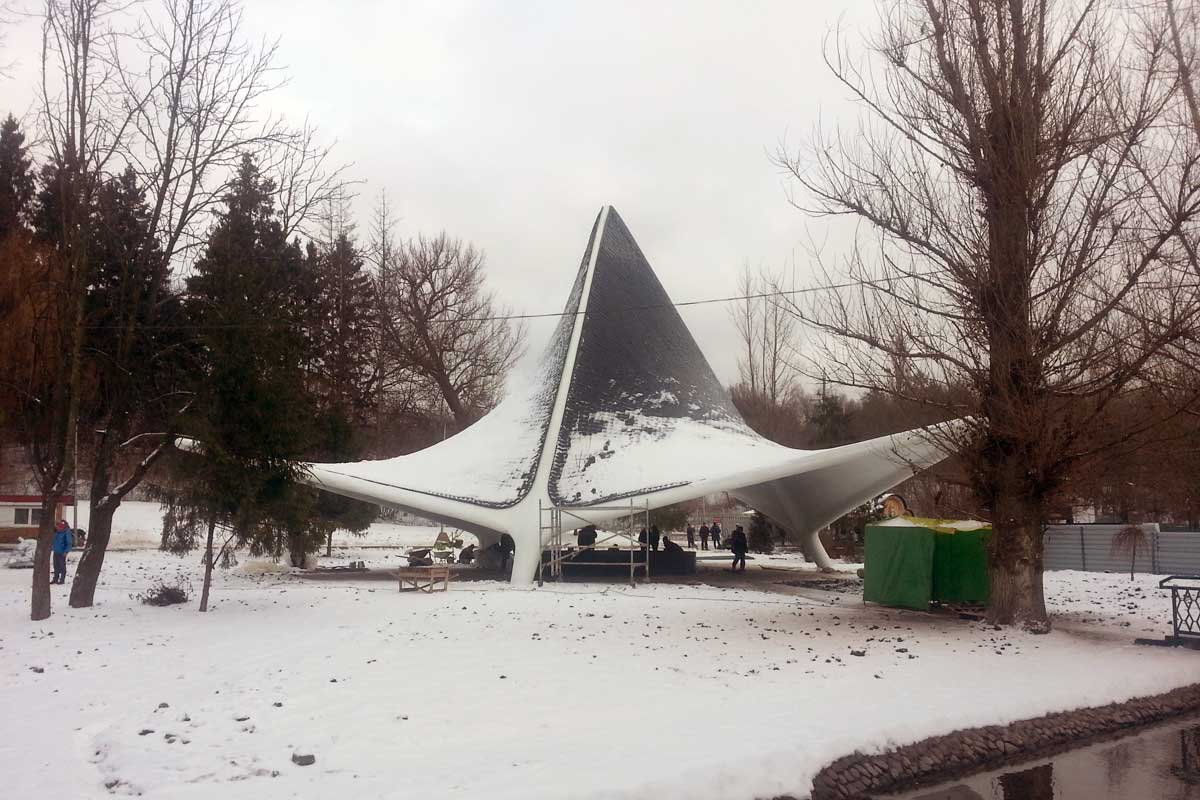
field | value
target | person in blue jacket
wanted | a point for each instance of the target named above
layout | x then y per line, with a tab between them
64	540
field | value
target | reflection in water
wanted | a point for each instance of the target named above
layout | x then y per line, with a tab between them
1029	784
1117	763
1162	763
1188	770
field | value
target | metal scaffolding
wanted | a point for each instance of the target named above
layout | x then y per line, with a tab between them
551	530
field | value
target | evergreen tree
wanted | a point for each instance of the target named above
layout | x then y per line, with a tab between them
340	331
16	178
341	327
761	536
245	300
254	413
829	422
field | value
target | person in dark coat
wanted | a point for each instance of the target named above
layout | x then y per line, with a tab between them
507	548
715	532
670	548
691	533
64	540
587	536
642	538
703	536
655	535
739	545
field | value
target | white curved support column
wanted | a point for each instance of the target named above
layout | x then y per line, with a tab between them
814	551
525	560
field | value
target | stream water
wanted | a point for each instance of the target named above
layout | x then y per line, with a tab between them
1160	763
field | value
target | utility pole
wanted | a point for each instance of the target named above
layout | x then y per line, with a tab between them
441	523
75	481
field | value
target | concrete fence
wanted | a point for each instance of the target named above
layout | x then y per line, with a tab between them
1089	547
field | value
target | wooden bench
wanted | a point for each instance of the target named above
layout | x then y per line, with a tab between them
424	579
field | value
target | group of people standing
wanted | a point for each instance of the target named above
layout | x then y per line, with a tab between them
706	533
736	542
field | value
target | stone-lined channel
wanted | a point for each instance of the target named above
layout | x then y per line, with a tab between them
1157	763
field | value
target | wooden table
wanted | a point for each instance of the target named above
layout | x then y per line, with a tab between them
425	579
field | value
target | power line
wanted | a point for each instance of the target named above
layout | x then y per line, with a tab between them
652	306
558	314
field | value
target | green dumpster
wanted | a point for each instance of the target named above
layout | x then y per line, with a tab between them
911	561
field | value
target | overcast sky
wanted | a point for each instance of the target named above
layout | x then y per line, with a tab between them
511	123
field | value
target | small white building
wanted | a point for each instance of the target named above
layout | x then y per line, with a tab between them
21	514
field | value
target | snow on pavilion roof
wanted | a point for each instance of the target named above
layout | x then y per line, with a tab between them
623	404
492	463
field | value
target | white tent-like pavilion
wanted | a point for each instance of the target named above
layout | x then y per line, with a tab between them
622	406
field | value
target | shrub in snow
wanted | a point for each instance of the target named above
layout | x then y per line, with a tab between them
162	593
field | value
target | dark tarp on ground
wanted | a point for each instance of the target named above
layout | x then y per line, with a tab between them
910	562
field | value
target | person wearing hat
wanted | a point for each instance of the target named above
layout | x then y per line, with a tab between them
64	540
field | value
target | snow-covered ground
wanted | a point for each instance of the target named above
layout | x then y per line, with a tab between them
569	691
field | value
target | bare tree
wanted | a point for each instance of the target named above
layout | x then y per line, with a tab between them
193	87
1130	542
1183	26
767	334
398	395
308	183
442	326
7	13
1027	230
747	320
82	131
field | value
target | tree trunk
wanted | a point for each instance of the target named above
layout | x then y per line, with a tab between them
39	600
87	574
453	400
208	564
329	544
103	506
296	550
1015	567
